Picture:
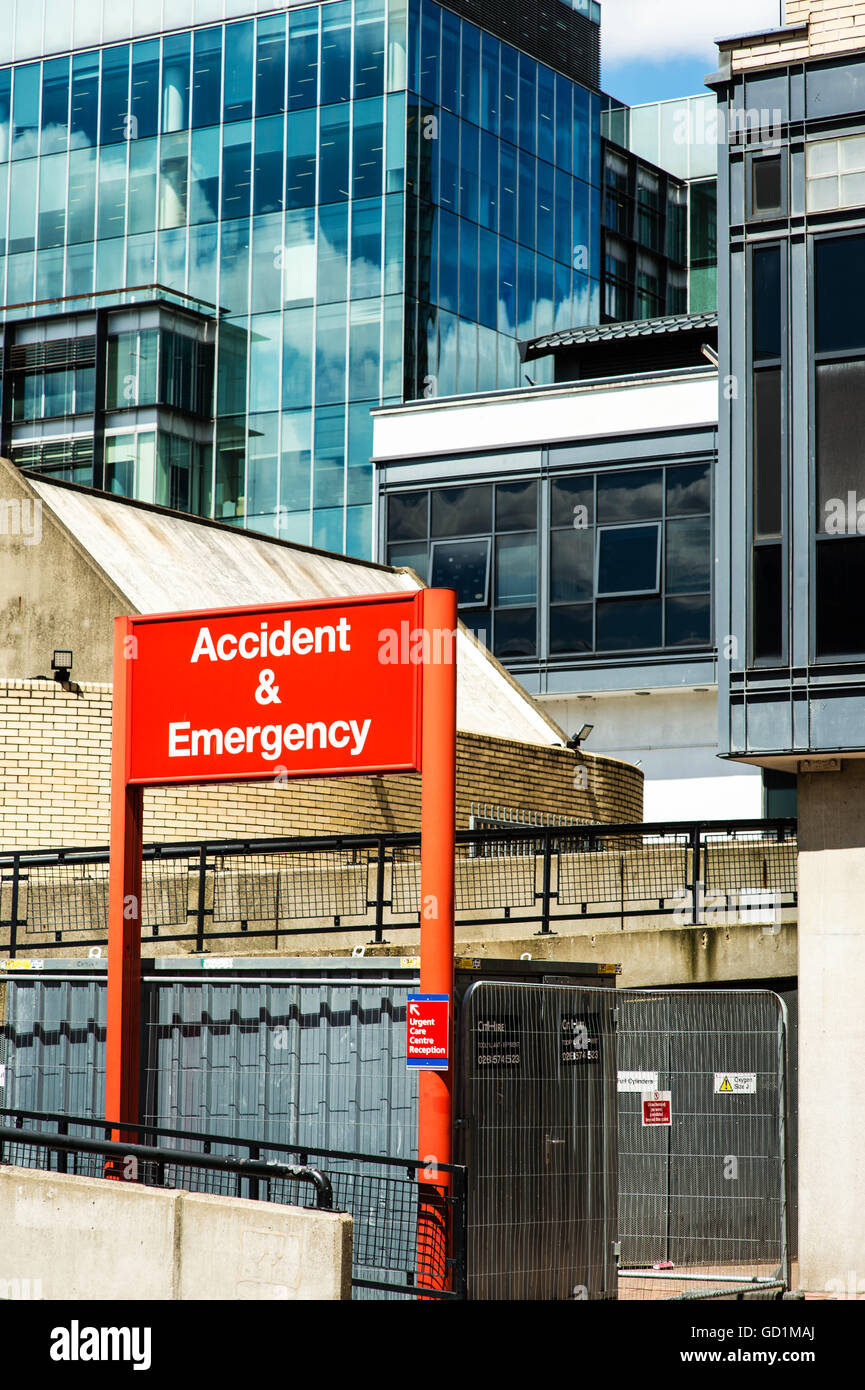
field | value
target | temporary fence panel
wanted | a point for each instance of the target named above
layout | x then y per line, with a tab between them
538	1135
703	1188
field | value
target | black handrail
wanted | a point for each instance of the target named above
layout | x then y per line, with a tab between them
363	907
243	1167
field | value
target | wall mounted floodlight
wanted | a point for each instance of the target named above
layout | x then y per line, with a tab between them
577	739
61	665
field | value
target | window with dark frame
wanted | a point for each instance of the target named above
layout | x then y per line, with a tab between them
839	366
629	557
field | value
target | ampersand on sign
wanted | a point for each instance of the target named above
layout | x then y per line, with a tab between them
267	693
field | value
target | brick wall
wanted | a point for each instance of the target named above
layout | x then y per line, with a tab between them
56	763
834	26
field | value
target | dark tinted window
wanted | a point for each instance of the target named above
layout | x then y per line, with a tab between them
766	266
629	624
766	185
767	452
566	495
464	566
516	632
629	496
767	603
839	271
407	516
688	622
571	628
628	560
461	511
840	584
516	506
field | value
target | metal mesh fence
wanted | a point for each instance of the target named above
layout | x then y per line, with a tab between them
611	869
545	873
746	860
286	887
66	897
508	880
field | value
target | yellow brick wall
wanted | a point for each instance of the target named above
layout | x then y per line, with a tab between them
834	26
56	765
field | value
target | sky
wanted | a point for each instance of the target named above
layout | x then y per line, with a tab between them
654	49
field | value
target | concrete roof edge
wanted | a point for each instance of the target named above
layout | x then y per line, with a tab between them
190	517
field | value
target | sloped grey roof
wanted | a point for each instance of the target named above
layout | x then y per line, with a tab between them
612	332
164	562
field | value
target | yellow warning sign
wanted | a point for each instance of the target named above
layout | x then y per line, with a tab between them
735	1083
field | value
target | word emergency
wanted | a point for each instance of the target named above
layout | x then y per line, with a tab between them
267	739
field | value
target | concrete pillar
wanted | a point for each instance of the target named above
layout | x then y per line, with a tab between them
832	1030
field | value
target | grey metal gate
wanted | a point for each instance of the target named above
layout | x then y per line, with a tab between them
538	1133
703	1201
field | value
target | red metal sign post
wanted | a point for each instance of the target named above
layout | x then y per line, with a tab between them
330	688
438	828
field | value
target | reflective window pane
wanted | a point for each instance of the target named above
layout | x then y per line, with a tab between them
689	556
516	506
516	632
407	516
688	622
628	559
629	624
571	628
414	557
464	566
839	270
516	570
688	490
628	496
572	564
461	511
572	502
206	76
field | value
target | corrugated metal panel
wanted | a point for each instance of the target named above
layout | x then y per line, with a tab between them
53	1045
315	1064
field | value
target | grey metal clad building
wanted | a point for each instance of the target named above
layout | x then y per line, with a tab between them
792	295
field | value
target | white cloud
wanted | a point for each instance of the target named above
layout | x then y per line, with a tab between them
659	29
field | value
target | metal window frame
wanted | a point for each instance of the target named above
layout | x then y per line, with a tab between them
462	540
628	526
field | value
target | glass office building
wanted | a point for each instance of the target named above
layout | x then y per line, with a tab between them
222	244
680	137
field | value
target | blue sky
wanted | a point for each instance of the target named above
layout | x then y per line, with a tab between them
654	49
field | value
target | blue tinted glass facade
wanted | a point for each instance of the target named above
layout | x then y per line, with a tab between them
502	205
375	201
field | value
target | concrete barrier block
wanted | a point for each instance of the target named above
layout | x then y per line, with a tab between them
85	1238
238	1249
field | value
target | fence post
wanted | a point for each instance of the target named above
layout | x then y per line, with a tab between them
13	925
696	882
199	910
379	891
545	884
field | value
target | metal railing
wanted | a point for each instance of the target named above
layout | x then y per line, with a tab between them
538	877
400	1217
